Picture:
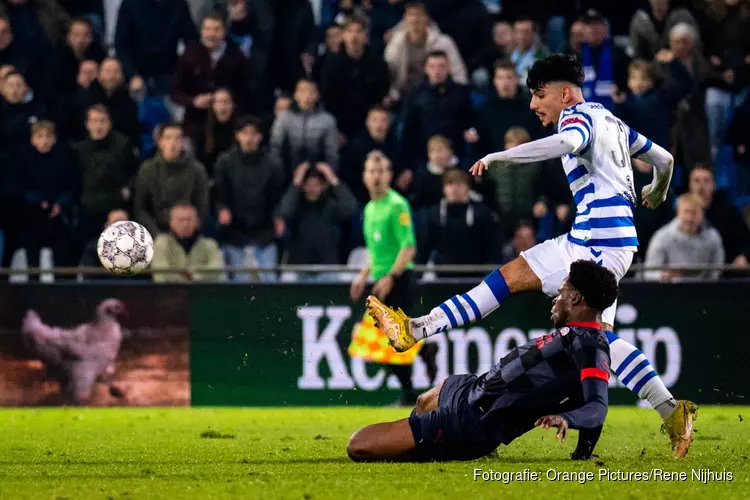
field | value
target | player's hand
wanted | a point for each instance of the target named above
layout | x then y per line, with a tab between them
555	421
383	287
357	288
651	199
478	168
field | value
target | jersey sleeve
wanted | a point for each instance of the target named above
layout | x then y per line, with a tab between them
403	226
581	124
638	144
591	358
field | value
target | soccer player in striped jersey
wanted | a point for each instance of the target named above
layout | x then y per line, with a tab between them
595	148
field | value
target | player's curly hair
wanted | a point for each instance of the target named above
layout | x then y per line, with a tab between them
596	283
555	68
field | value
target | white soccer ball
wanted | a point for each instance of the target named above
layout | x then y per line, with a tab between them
125	248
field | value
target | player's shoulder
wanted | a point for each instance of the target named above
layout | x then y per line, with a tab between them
585	335
397	201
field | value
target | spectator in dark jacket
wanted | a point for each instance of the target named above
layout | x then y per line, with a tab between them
459	230
648	109
13	53
427	188
377	135
723	215
313	213
304	133
354	80
110	90
168	178
605	64
248	183
19	110
79	46
437	107
148	32
738	136
206	66
216	134
90	255
107	166
48	181
507	106
334	41
39	24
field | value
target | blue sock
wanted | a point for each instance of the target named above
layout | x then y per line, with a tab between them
463	309
635	372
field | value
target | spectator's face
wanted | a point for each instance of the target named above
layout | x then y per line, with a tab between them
14	89
116	216
98	125
523	239
682	46
436	69
639	82
87	72
355	37
378	123
377	177
212	34
6	34
43	140
80	37
313	188
249	139
306	95
502	35
690	215
506	83
577	35
597	33
660	8
282	104
334	37
170	143
702	183
110	74
416	21
440	155
523	34
456	192
548	102
183	221
223	106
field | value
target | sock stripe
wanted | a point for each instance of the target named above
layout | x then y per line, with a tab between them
461	310
626	362
637	387
449	313
473	305
497	285
638	369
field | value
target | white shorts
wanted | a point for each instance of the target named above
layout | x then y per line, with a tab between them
551	261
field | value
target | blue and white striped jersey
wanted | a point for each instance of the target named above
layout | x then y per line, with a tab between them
600	176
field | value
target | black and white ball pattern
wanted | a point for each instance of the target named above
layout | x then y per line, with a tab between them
125	248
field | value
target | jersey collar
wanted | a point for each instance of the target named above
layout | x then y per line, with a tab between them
585	324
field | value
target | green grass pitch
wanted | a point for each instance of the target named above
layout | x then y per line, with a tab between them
300	453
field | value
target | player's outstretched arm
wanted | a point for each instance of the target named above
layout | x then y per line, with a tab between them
642	148
547	148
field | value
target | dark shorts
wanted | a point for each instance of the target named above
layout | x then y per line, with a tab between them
453	431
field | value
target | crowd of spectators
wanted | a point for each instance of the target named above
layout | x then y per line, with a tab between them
236	131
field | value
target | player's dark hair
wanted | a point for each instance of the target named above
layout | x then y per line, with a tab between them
506	65
98	108
596	283
436	53
555	68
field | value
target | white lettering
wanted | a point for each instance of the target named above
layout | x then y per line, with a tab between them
503	343
461	343
667	336
365	382
316	348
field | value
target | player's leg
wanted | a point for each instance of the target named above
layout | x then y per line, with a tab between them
541	268
386	441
